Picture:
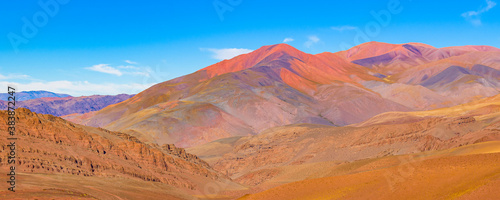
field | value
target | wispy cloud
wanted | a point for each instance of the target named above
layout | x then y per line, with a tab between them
224	54
121	70
474	17
144	72
14	76
343	28
127	67
131	62
105	68
288	40
147	78
80	88
311	40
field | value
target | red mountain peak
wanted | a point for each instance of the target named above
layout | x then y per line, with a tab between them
251	59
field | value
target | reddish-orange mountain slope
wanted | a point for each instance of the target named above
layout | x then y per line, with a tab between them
278	85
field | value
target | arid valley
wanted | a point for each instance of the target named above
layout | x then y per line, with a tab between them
376	121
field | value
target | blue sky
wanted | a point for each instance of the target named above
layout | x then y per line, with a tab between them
109	47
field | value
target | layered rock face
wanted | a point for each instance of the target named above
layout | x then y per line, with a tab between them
51	145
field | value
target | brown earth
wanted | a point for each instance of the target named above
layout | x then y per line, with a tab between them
273	117
52	147
61	160
380	136
434	175
294	153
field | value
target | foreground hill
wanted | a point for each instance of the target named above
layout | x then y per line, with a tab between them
316	161
279	85
469	172
50	148
293	153
59	106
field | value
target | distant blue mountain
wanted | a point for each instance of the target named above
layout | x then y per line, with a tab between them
70	105
23	96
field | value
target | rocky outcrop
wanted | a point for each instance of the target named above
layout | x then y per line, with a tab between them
181	153
49	144
302	144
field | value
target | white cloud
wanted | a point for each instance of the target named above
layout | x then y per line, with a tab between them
14	76
131	62
288	40
80	88
474	17
224	54
121	70
105	68
311	40
148	77
343	28
140	73
127	67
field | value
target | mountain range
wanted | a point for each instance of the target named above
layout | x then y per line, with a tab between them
28	95
392	121
59	106
279	85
